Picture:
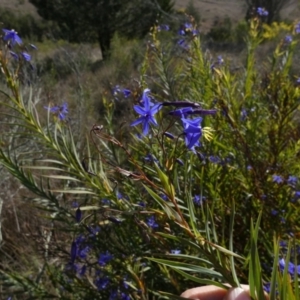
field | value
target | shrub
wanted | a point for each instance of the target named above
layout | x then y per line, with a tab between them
221	31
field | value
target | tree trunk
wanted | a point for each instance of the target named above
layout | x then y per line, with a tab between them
104	39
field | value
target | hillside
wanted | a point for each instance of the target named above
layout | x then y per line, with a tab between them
210	11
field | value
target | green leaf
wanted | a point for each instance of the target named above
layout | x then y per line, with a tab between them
75	191
274	278
165	181
61	177
255	274
187	267
171	213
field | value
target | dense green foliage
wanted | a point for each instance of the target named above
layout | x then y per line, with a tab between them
98	20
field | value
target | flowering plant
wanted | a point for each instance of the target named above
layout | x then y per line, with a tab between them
188	199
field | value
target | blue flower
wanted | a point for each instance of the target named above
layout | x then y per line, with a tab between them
277	178
267	287
73	251
104	258
262	12
244	114
102	283
192	131
116	90
26	56
75	204
163	27
214	159
183	44
297	194
220	60
164	197
105	202
288	39
78	215
292	269
198	200
93	231
60	110
283	244
188	26
175	251
12	37
125	296
297	28
151	158
82	253
147	113
151	222
146	97
126	93
80	239
292	180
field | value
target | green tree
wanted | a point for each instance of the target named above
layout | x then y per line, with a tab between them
91	20
272	6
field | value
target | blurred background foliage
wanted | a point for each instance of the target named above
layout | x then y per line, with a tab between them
98	20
